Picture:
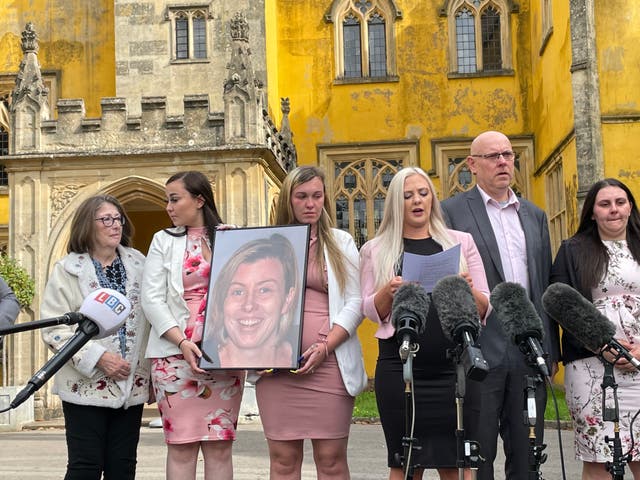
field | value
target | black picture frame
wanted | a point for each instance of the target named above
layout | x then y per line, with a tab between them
254	309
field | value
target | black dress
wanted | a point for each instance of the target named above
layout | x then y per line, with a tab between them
434	390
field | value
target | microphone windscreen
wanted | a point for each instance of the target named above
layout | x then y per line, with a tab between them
107	308
412	299
516	312
456	307
578	316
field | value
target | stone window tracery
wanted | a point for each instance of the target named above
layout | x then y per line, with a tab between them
451	166
189	32
364	39
556	204
357	181
479	36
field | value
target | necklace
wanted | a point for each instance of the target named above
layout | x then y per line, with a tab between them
114	276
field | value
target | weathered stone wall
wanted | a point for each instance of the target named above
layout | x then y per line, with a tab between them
586	96
144	44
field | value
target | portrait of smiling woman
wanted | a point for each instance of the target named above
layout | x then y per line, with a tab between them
254	302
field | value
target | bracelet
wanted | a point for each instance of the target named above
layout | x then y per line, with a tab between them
326	347
180	342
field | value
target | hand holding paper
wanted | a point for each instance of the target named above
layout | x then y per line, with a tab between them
428	269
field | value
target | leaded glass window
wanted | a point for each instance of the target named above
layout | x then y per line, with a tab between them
182	37
352	48
466	41
189	32
199	37
377	46
4	142
480	37
491	50
360	189
364	38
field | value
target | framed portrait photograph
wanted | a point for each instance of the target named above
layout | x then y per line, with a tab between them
253	315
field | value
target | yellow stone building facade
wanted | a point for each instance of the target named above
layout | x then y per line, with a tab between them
373	85
555	76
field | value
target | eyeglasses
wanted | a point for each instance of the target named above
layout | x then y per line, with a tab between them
108	221
508	155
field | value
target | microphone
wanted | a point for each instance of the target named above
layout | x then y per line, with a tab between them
409	316
104	311
579	316
460	322
520	320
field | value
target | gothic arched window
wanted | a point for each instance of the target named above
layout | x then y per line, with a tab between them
189	32
358	177
479	36
364	38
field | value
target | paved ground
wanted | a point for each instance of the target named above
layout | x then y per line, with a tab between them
41	454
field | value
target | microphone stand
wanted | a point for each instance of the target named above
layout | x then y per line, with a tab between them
467	451
615	467
530	416
409	415
66	319
536	457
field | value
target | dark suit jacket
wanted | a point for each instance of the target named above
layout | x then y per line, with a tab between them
466	211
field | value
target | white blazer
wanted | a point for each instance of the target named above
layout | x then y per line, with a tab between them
162	291
345	310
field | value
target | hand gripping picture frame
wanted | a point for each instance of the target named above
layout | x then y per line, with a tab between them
254	308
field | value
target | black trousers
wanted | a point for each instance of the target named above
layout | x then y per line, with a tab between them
502	412
101	440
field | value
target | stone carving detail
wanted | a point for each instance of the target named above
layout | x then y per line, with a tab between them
30	39
285	105
239	28
61	195
29	80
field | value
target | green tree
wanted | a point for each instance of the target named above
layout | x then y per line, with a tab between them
18	279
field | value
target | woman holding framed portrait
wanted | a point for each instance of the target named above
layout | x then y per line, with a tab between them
255	302
316	401
199	408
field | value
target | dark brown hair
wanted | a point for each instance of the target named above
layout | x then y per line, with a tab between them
594	259
83	225
197	184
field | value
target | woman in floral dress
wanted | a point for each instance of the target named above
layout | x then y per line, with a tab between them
199	409
602	261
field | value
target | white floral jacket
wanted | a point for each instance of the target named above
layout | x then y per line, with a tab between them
80	381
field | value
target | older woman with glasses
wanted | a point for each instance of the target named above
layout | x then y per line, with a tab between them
104	386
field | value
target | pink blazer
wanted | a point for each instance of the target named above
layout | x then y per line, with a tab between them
368	255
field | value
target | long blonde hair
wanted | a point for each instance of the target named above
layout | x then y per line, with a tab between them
389	235
284	216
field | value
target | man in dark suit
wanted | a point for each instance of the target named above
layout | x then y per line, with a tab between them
512	237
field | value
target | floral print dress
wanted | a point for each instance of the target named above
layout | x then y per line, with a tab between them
617	296
196	407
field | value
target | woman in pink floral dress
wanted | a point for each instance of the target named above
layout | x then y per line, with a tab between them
199	408
602	261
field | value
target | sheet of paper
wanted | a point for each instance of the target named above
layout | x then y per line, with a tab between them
428	269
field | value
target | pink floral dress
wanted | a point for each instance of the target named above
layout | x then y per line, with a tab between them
196	407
